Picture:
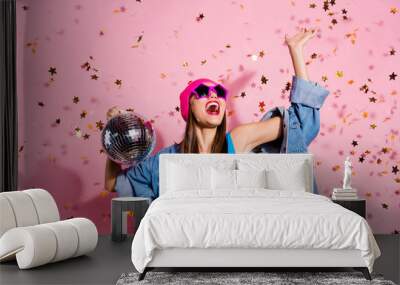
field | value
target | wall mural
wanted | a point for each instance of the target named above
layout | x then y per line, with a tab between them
76	59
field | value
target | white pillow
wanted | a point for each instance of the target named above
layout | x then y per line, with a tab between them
295	180
223	179
188	177
251	178
288	174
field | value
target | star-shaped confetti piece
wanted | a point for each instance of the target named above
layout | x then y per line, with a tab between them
354	143
385	150
339	73
392	76
118	82
264	80
99	125
86	66
200	17
395	169
52	70
75	100
83	114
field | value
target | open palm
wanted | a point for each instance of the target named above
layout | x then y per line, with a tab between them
300	38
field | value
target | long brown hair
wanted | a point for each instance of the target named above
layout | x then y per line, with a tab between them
189	143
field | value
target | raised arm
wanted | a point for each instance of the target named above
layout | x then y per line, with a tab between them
247	136
295	45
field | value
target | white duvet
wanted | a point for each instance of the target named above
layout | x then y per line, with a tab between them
251	218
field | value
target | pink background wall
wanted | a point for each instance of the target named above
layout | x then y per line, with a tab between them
155	47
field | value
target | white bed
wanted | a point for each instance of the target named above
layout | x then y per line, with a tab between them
204	221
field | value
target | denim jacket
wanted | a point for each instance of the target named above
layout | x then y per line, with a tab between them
301	123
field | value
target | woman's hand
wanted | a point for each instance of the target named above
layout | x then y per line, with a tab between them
112	169
296	44
298	41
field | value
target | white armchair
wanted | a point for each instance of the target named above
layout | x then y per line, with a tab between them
31	230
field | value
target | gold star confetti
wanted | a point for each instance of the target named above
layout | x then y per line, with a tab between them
261	106
78	132
352	36
200	17
52	70
264	80
392	76
83	114
33	46
339	74
118	82
86	66
99	125
138	40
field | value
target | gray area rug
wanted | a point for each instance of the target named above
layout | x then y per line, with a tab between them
225	278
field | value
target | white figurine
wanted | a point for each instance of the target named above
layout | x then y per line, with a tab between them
347	174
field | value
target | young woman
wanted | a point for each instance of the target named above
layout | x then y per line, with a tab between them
203	105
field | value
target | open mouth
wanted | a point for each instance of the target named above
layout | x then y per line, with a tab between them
212	108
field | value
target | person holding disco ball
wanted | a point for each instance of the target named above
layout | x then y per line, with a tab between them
203	107
128	138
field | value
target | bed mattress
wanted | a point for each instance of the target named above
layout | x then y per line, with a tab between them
253	219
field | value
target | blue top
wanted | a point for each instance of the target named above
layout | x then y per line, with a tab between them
301	123
231	147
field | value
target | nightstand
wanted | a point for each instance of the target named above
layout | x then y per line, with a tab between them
119	210
357	206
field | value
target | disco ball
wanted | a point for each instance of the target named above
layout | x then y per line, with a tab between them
127	138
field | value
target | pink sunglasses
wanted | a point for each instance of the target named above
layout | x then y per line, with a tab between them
203	91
